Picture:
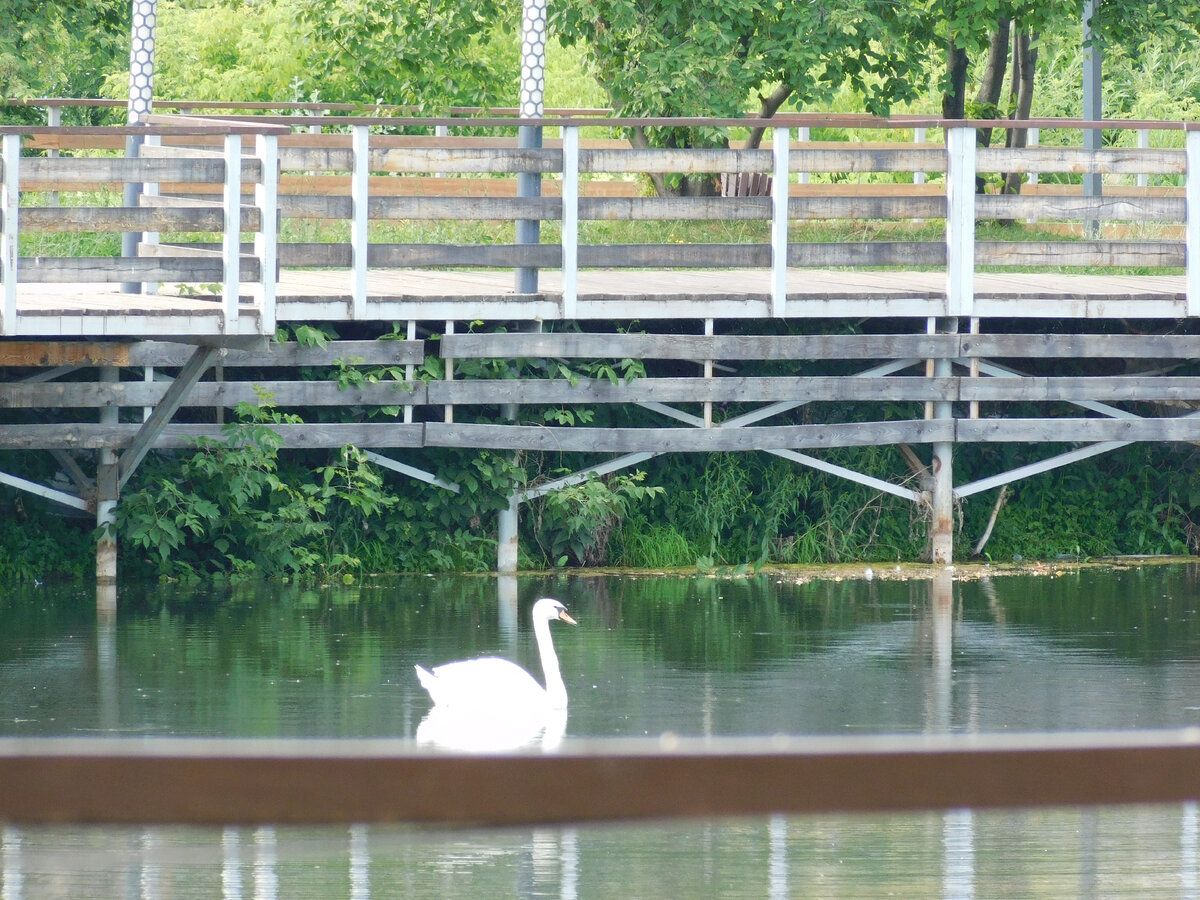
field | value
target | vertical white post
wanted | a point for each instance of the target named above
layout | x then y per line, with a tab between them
410	371
10	194
1192	228
570	221
231	245
449	364
54	120
150	189
266	240
1143	138
780	149
919	138
358	227
802	136
960	221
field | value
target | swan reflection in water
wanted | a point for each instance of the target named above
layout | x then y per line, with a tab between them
493	705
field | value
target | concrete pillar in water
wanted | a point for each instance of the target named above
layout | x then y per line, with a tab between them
107	481
941	529
507	544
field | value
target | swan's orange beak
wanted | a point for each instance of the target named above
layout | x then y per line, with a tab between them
563	617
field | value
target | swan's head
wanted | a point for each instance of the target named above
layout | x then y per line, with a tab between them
549	609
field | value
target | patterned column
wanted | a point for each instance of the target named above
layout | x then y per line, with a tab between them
141	59
533	58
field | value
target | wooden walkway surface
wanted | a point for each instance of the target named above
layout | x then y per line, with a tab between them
53	310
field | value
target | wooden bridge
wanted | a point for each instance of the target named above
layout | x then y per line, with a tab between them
857	256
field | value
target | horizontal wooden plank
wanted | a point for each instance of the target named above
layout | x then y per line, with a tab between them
283	394
154	217
700	347
169	354
1081	430
820	346
851	157
867	253
313	435
726	389
1158	254
1075	160
686	440
1107	209
198	781
731	209
163	268
72	170
104	269
683	161
866	206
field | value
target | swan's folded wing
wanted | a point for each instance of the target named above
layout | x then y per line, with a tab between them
488	682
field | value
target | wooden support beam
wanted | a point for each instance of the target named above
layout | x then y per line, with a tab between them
200	360
147	781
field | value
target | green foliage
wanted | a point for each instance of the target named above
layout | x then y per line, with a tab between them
230	507
431	55
574	523
226	51
60	49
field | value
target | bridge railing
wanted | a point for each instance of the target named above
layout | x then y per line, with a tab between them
369	196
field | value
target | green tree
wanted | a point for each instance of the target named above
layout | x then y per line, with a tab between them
672	58
431	55
61	49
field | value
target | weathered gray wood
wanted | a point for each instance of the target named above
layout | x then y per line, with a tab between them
1081	430
313	435
700	347
433	159
686	440
853	158
164	354
1093	253
164	411
75	170
874	253
729	389
175	218
480	208
821	346
1105	209
69	270
283	394
1074	160
1082	346
665	161
733	209
867	207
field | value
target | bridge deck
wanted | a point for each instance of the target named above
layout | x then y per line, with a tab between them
52	310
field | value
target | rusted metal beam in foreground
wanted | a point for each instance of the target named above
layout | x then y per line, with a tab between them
210	782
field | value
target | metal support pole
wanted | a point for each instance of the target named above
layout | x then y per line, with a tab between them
529	137
10	209
141	99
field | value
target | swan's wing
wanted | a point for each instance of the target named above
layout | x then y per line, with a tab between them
486	682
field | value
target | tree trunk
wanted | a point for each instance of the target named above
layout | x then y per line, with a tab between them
988	99
1024	66
770	106
954	102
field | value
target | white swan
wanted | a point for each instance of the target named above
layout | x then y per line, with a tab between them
491	683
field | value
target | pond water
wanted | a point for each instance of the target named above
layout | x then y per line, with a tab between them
760	655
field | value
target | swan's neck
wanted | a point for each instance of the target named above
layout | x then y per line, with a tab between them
556	691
